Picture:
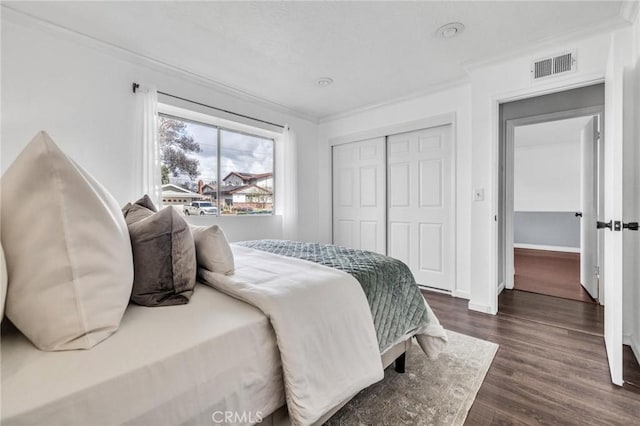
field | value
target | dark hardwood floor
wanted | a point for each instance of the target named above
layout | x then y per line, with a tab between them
631	368
551	367
549	272
570	314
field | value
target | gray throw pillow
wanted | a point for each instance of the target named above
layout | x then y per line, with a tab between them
164	256
139	210
135	213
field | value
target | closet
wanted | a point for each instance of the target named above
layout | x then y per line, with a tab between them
394	195
359	204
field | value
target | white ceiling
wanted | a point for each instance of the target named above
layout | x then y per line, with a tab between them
374	51
550	133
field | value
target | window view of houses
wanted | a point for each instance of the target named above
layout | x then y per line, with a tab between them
190	153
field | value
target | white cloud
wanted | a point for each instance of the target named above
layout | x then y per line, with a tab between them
239	152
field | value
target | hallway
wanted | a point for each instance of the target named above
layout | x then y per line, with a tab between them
549	272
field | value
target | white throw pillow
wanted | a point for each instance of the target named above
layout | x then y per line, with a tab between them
67	250
213	251
3	282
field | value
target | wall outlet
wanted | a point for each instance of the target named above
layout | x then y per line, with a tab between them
478	194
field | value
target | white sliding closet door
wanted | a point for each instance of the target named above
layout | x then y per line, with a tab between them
359	210
420	200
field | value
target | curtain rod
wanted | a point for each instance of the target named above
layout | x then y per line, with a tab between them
136	86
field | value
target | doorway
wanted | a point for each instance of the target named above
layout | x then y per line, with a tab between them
541	119
543	215
552	203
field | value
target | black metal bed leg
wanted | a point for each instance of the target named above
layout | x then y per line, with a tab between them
400	363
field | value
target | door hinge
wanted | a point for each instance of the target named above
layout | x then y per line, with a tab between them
597	135
596	270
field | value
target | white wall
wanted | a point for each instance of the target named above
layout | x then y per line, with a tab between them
454	100
242	228
547	177
503	82
80	92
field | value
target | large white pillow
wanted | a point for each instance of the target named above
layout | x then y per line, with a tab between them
67	250
213	251
3	282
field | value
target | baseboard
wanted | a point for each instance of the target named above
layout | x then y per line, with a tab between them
433	289
485	309
462	294
547	248
501	287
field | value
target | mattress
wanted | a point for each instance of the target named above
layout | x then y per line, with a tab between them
165	366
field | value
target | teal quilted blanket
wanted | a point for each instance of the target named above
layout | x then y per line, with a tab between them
396	303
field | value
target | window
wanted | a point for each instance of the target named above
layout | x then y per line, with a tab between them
232	170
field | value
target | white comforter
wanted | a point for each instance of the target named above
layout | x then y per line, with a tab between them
323	326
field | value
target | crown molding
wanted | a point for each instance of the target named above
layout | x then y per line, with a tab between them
433	89
612	24
23	19
607	26
629	10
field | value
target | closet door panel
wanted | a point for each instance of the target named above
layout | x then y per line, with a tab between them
399	184
359	195
369	235
430	247
399	241
420	197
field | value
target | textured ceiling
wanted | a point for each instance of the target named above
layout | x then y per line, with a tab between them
374	51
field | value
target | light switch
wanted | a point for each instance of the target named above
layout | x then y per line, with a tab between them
478	194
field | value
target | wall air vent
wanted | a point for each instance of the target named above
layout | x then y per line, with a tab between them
554	65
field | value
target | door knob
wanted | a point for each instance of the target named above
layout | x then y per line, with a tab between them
631	226
601	225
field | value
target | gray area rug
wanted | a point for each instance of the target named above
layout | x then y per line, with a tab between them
438	392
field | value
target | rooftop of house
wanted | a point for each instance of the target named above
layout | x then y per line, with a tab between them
172	190
249	176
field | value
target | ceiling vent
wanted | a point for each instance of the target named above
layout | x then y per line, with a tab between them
554	65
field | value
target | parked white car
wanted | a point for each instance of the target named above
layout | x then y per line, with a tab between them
200	208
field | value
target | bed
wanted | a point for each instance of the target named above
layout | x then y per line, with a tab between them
165	366
218	354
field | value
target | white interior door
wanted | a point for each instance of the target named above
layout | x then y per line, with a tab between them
421	214
588	230
359	209
614	182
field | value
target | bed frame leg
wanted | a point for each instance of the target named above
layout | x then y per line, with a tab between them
400	363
